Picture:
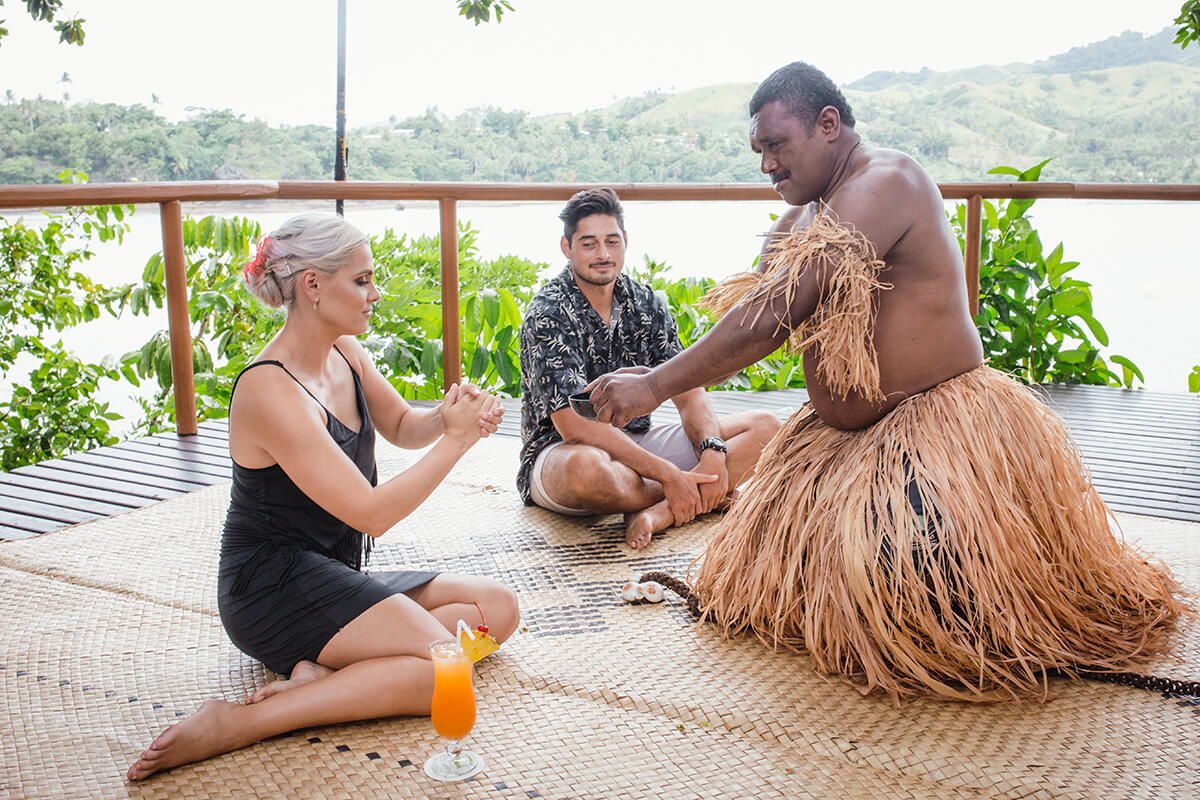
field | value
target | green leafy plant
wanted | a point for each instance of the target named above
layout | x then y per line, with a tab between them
406	334
55	411
1035	319
70	31
1188	22
481	10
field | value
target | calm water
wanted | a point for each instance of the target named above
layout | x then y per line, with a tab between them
1141	258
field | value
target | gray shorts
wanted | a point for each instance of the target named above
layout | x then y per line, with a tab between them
668	442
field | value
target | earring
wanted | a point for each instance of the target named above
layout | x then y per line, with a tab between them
316	303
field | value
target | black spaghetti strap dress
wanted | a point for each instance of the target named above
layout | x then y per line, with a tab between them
290	573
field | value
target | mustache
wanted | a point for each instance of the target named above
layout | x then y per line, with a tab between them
776	177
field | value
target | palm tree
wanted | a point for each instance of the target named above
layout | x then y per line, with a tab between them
66	96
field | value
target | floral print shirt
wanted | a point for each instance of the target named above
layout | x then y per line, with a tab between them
565	345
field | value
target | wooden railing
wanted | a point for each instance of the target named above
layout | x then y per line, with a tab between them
170	196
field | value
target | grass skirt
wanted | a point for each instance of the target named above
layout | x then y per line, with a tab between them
1013	569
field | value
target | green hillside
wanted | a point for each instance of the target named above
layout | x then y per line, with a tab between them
720	108
1126	50
1134	123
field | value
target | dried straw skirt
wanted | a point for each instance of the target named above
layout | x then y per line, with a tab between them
1013	569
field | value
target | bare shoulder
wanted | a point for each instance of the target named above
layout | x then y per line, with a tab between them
355	353
267	392
884	196
267	408
794	217
884	176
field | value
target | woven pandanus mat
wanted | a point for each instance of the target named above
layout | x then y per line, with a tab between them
110	634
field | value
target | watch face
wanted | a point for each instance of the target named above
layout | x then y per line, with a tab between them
713	443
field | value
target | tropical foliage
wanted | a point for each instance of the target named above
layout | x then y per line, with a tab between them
43	292
1188	22
1036	320
406	332
482	10
70	31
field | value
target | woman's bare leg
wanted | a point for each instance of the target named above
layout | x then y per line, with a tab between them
378	687
304	672
379	667
449	598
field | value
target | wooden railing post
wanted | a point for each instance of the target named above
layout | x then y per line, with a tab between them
972	248
178	320
451	335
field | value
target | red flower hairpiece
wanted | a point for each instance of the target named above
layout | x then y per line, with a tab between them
260	259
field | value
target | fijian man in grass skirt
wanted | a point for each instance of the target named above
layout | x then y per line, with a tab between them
924	525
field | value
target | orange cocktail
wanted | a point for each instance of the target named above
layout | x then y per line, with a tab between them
453	698
453	712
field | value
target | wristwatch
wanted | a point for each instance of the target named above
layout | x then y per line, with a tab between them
714	443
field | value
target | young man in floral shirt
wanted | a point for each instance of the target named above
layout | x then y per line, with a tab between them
590	320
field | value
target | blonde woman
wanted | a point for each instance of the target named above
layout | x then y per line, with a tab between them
305	507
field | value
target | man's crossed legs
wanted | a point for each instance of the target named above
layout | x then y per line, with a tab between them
579	479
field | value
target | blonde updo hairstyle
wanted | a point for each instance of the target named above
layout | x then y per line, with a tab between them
321	242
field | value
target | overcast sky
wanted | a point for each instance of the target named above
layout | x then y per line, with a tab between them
276	59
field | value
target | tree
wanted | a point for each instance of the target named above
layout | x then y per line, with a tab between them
504	123
1188	22
70	31
481	10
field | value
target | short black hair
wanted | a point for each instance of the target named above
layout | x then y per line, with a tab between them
589	202
805	90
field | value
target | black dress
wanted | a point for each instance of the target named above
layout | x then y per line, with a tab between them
290	575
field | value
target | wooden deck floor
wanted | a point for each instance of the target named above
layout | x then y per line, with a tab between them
1143	449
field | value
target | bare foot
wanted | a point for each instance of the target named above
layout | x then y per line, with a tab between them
641	525
304	672
212	730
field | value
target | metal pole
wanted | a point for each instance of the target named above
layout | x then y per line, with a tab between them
339	158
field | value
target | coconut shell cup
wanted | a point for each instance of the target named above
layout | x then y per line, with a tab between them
581	404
